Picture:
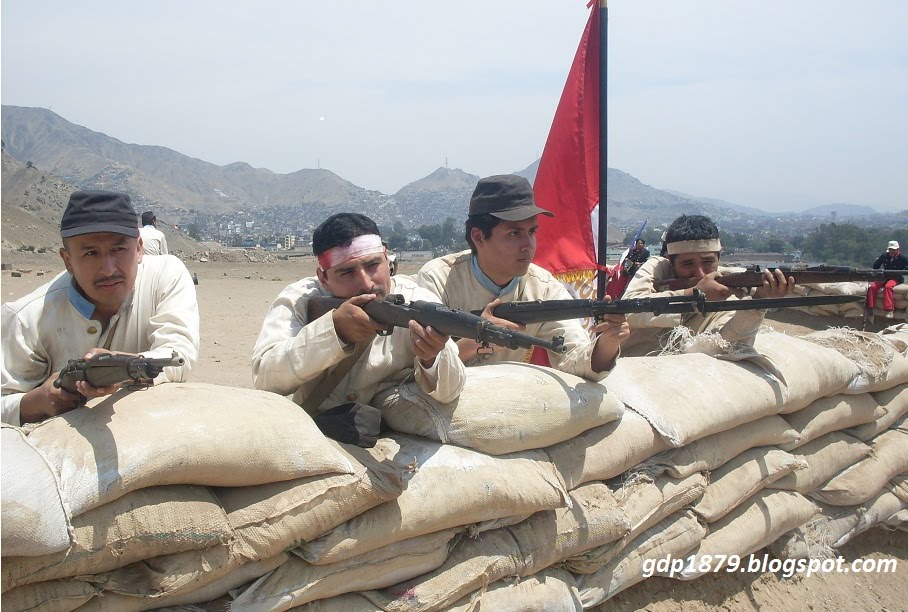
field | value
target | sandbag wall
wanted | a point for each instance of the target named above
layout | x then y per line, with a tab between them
854	310
535	486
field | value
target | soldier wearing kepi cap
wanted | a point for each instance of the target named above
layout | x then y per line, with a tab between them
892	259
109	299
501	231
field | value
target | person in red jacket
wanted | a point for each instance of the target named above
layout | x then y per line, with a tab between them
892	259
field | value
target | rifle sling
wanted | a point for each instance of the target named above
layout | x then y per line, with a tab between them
326	385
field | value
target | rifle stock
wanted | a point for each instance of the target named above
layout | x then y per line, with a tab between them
110	369
753	276
394	311
557	310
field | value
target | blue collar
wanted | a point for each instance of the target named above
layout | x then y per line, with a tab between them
488	283
79	301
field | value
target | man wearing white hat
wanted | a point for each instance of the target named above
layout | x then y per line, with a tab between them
892	259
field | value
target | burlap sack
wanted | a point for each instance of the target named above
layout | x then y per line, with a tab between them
297	582
809	371
715	450
895	402
739	479
899	486
606	451
60	595
880	365
181	433
863	480
899	521
34	515
684	407
673	537
546	538
644	502
202	594
274	517
503	408
826	456
452	486
834	414
552	590
140	525
754	524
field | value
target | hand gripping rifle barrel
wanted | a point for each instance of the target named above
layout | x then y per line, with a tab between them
752	276
110	369
394	311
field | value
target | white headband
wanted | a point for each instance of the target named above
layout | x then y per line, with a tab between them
359	246
712	245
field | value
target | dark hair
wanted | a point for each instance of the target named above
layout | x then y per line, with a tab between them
689	227
148	217
485	224
340	230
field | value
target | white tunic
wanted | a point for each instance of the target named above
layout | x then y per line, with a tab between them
292	354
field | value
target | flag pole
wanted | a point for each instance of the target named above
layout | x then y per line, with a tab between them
602	276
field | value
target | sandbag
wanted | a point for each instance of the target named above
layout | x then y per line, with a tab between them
34	515
715	450
552	590
809	371
644	502
60	595
754	524
880	365
740	478
673	537
606	451
503	408
863	480
181	433
452	486
273	517
895	403
684	407
899	486
833	414
202	594
140	525
825	457
297	582
523	549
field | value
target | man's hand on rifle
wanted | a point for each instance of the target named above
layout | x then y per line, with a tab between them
427	343
351	322
714	290
775	285
612	330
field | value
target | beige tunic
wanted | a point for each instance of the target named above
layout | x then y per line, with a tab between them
293	354
452	278
646	328
53	324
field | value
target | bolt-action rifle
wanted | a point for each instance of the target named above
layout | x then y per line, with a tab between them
394	311
108	369
753	276
558	310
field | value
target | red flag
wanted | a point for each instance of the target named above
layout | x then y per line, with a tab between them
567	182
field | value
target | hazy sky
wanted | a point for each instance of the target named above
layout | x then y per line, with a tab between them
780	104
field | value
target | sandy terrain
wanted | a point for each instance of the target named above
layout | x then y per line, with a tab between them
233	299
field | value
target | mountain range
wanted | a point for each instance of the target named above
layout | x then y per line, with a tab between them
179	187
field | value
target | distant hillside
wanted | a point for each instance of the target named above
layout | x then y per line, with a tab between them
841	210
33	203
430	200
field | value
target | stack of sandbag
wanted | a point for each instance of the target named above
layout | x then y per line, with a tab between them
534	486
172	494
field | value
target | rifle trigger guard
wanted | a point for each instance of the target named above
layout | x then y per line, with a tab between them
386	331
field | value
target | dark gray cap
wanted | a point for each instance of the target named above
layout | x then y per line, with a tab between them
506	196
92	212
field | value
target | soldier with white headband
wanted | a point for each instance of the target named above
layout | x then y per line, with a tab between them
293	355
691	249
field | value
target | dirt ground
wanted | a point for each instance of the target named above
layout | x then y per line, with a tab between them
233	299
